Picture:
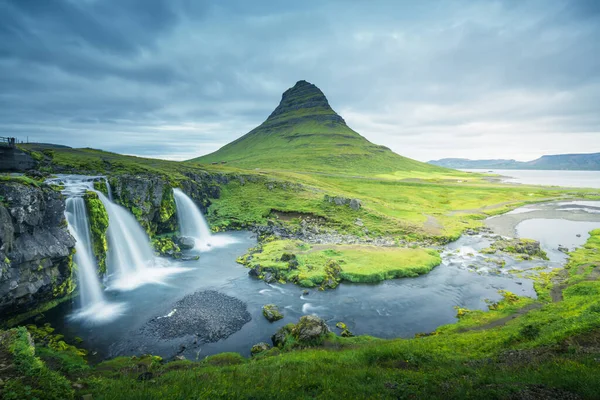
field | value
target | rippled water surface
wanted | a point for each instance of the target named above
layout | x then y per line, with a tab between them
396	308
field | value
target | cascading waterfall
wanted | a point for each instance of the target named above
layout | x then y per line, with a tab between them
190	219
94	307
108	189
130	258
90	289
192	223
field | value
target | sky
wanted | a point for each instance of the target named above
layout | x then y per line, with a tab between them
177	79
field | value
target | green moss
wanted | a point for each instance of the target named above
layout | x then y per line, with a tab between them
326	265
31	378
165	246
98	218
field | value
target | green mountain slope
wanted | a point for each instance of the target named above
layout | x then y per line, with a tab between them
305	134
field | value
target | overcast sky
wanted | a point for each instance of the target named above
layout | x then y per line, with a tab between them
180	78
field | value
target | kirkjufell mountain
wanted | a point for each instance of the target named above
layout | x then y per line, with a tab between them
305	134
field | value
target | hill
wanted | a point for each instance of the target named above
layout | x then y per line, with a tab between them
305	134
582	162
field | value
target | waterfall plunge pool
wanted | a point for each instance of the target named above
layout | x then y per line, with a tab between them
395	308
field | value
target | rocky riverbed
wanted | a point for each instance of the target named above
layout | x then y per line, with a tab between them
208	315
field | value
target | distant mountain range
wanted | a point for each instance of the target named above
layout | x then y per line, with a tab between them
575	162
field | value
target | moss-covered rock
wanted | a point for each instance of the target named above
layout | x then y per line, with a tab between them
259	348
310	330
166	247
271	312
98	218
526	248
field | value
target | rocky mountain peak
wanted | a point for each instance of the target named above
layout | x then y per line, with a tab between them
304	99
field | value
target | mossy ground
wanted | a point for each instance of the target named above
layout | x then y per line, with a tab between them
295	261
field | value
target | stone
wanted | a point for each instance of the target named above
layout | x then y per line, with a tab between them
280	337
355	204
271	312
269	278
310	329
259	348
180	357
186	242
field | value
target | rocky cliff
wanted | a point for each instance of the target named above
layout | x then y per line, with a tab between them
35	248
150	197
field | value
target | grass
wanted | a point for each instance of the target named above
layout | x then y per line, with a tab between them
357	263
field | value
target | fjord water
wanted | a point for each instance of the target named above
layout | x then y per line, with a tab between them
580	179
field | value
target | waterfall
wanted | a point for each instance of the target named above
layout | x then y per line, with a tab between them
129	247
190	219
108	189
90	290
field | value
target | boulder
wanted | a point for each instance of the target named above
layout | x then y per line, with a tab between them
271	312
310	329
355	204
280	337
186	243
259	348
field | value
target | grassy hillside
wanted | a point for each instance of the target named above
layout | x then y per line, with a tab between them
305	134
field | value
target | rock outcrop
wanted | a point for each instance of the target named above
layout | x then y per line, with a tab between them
35	248
150	197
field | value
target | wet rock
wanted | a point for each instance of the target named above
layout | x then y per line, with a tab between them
35	248
269	277
186	242
305	292
189	258
310	329
525	247
271	312
563	249
255	271
259	348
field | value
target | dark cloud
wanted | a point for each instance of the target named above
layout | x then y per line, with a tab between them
429	79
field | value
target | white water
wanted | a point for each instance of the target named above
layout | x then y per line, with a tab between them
94	307
130	259
192	224
89	283
108	189
190	219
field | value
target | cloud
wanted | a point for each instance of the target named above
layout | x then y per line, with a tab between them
180	78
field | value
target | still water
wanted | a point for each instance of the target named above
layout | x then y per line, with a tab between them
579	179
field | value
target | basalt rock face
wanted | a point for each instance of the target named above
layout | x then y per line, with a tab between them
35	248
150	197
